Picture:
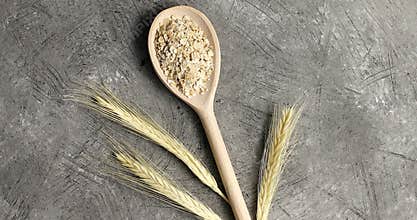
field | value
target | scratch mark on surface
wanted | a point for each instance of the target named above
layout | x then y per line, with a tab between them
80	24
379	72
357	30
395	154
283	210
266	14
273	45
353	90
283	7
393	83
370	192
251	40
413	86
232	7
41	9
353	209
377	79
342	201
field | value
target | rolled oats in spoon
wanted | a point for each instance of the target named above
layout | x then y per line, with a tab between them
185	55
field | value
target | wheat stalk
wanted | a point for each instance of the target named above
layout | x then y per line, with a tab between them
102	100
276	153
133	170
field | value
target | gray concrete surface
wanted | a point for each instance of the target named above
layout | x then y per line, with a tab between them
356	156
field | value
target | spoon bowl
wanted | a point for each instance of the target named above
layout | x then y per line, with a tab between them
204	100
203	104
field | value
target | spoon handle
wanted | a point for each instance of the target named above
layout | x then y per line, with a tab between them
224	165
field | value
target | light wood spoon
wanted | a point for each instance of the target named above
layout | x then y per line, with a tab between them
203	104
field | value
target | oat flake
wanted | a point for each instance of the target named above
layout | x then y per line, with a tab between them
185	55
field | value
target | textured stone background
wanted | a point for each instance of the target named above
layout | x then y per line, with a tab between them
356	156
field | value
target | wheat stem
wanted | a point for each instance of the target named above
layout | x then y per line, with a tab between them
102	100
144	176
275	156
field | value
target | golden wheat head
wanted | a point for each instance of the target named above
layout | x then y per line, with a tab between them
102	100
275	156
130	168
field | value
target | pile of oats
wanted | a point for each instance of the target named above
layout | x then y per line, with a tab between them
185	55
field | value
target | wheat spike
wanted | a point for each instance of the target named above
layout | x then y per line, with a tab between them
102	100
136	172
275	155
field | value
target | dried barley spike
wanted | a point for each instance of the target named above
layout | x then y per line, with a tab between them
102	100
132	169
275	156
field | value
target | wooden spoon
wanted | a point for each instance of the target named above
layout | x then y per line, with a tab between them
203	104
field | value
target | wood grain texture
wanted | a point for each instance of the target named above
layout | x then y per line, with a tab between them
357	154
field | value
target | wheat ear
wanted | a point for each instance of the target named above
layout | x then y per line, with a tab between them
275	155
102	100
138	173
